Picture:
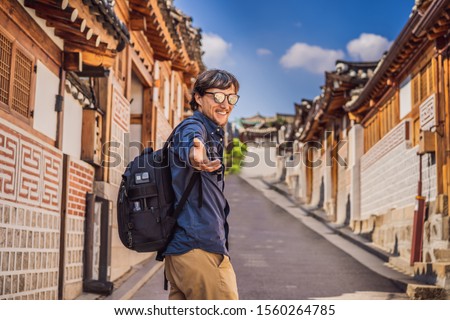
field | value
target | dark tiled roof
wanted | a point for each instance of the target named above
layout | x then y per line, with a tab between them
104	11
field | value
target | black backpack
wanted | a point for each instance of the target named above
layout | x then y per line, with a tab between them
146	213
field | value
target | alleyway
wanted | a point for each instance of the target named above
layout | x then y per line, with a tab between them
275	256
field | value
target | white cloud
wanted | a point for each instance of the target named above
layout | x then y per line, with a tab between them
263	52
217	51
312	58
368	47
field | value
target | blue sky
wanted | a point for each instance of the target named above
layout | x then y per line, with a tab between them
279	50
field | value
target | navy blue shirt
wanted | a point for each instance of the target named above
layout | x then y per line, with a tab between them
199	226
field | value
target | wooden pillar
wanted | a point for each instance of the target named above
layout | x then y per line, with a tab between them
147	119
438	70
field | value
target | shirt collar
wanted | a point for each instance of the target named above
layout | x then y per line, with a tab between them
210	126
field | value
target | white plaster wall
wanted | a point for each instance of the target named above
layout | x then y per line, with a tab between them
166	98
137	94
405	98
179	101
389	175
72	128
135	140
156	73
355	152
47	87
318	174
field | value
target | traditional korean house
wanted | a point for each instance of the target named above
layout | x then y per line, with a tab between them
261	134
400	127
321	154
84	86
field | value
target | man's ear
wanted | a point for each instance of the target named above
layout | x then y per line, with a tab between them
198	99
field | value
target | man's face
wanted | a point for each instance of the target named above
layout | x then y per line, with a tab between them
217	112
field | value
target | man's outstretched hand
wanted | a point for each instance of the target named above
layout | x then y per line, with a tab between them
199	158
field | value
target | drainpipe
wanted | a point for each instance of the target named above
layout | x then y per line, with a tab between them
419	215
59	108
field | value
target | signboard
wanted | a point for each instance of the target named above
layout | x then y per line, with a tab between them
428	114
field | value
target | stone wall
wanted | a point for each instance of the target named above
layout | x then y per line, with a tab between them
319	162
389	176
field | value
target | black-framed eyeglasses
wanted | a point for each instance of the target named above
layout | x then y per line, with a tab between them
219	97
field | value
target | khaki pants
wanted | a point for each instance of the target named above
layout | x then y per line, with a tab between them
201	275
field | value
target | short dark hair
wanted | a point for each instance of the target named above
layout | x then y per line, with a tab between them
213	78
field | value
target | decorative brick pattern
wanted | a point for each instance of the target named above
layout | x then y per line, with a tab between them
80	181
9	146
31	172
30	179
119	127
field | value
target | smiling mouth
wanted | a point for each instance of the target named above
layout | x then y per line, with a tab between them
224	113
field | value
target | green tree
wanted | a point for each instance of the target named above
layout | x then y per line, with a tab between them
234	156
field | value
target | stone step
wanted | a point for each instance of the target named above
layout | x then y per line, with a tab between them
426	292
442	255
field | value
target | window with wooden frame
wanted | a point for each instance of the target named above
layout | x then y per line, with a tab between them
388	116
423	85
16	77
371	133
385	120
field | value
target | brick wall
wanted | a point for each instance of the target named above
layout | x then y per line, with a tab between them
30	181
80	181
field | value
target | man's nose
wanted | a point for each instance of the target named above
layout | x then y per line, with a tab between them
225	104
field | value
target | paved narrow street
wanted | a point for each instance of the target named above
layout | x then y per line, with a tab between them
276	256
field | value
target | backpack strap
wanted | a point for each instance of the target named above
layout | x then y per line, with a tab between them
195	176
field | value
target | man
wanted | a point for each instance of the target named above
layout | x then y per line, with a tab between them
197	262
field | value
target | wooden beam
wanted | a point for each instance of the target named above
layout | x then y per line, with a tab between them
141	9
60	4
76	37
79	24
67	27
73	61
135	118
91	56
138	22
433	36
49	12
